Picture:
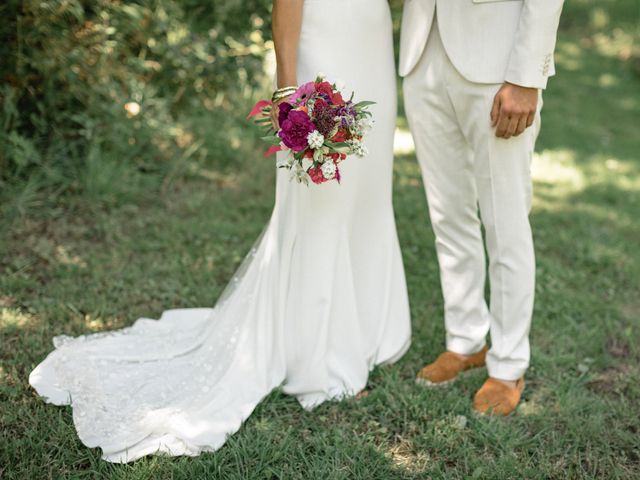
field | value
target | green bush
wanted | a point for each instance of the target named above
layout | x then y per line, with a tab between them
92	81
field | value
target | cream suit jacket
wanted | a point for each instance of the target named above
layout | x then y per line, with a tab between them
488	41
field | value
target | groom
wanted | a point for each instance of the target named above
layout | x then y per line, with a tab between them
473	73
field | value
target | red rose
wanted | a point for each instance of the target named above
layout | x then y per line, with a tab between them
320	105
337	99
324	87
316	175
341	136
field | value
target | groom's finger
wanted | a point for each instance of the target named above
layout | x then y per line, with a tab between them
522	125
531	118
512	126
503	125
495	111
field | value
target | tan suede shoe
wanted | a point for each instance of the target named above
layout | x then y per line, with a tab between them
497	399
447	367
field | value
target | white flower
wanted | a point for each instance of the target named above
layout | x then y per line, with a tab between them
340	85
328	170
299	174
285	161
361	126
358	148
365	124
315	139
321	75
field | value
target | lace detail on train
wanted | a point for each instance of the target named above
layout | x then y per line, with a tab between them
154	375
114	397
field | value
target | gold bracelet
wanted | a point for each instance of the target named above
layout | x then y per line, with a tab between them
283	92
290	87
281	97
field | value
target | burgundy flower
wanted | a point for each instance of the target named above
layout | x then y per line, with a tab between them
283	112
325	117
295	129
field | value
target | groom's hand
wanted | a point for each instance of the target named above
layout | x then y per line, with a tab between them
513	111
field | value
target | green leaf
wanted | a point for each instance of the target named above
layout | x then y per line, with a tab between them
336	144
272	139
364	104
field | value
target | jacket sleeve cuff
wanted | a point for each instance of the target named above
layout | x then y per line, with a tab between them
530	79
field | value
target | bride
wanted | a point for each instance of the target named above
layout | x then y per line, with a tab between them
319	301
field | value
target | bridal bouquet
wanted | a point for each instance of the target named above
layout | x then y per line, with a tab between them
318	130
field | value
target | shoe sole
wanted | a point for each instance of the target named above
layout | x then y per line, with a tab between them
423	382
489	414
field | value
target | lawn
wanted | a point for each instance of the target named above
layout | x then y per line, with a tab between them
97	262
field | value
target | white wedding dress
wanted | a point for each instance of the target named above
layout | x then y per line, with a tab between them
319	301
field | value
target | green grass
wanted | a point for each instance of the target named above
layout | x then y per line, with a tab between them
99	262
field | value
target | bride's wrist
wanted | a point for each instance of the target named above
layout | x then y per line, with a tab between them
283	92
286	76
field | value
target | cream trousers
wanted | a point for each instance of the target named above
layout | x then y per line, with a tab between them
474	179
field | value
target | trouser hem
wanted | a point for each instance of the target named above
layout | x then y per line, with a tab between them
504	371
464	346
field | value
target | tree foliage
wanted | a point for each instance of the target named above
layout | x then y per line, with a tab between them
91	78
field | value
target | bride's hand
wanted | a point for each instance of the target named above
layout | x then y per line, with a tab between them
279	96
275	111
